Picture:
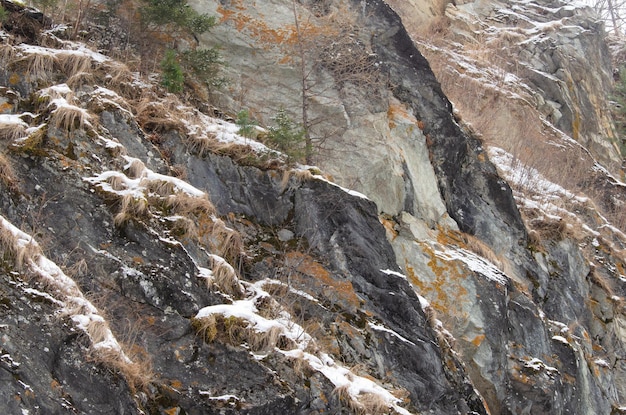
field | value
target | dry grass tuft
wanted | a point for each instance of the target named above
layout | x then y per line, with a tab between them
73	63
17	251
7	175
131	207
12	131
225	277
185	204
69	118
135	169
35	65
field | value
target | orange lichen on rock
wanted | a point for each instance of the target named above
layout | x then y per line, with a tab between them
400	113
445	290
336	291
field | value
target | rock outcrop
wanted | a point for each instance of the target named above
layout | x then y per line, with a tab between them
155	261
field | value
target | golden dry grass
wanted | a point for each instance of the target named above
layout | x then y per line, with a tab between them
17	252
12	131
225	277
7	175
73	63
131	207
236	331
69	118
35	65
135	169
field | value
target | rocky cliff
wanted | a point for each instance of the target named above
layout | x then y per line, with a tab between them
157	261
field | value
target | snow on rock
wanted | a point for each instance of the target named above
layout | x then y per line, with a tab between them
340	376
474	262
69	295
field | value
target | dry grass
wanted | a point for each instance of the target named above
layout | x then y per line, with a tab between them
7	175
236	331
225	277
135	169
35	65
12	131
73	63
70	118
131	207
17	252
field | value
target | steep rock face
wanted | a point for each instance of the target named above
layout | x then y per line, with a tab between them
260	300
500	348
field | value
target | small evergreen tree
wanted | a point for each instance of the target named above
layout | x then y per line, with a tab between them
205	64
245	123
286	136
177	15
172	74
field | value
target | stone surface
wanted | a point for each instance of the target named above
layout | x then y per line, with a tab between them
430	285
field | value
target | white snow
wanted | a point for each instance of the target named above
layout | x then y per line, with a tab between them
537	364
349	191
12	119
474	262
394	273
322	362
560	339
380	327
80	310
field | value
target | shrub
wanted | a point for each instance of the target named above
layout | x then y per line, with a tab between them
246	125
176	13
205	65
286	136
172	76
